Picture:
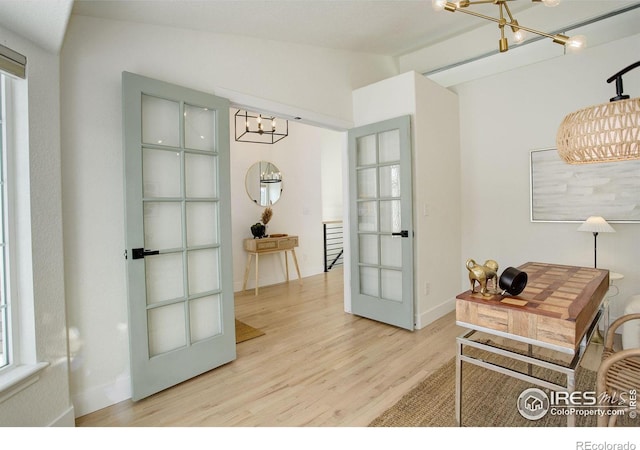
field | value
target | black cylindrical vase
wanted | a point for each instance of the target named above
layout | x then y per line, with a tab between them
513	280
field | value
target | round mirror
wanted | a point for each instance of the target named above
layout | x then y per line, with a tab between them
263	183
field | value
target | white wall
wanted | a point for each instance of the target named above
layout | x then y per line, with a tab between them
94	54
300	208
40	265
436	182
331	178
436	199
505	116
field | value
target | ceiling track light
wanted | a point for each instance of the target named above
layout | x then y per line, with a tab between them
506	19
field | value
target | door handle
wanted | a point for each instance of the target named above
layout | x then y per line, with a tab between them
403	233
139	253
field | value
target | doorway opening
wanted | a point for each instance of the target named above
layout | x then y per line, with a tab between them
310	170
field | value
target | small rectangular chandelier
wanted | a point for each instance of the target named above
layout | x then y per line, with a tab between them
259	129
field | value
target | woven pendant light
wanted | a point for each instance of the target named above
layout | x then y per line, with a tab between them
602	133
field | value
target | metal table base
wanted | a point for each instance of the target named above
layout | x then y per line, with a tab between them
568	370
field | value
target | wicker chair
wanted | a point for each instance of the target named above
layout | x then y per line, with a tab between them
619	371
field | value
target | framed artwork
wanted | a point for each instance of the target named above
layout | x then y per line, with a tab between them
562	192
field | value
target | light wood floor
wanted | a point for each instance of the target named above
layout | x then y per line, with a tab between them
315	366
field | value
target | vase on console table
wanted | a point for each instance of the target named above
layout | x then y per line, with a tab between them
258	230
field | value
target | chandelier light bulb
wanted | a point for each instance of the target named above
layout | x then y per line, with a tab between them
576	43
519	36
260	128
438	5
551	3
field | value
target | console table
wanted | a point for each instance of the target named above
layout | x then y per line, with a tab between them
558	310
256	247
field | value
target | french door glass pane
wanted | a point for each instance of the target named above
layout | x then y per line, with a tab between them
203	271
390	251
390	181
166	328
164	277
160	121
368	216
162	225
206	318
366	153
199	128
367	183
389	146
369	281
390	216
201	175
391	281
369	249
160	173
202	223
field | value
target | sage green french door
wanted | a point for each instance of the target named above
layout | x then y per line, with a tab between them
178	233
381	222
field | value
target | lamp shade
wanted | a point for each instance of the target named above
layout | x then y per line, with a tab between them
596	224
602	133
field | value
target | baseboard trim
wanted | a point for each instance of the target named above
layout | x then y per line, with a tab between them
433	314
66	419
102	396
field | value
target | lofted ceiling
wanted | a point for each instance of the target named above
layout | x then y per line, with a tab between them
398	28
44	22
372	26
392	28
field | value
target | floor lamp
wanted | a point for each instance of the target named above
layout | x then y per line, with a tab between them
595	225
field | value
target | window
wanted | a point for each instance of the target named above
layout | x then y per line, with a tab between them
19	366
13	64
4	304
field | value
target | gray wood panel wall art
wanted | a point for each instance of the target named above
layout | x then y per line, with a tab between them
562	192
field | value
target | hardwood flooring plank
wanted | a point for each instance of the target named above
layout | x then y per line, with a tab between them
315	366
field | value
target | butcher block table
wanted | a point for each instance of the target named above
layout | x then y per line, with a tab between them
557	311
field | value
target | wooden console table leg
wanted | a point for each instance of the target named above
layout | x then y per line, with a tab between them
246	272
295	260
257	274
286	265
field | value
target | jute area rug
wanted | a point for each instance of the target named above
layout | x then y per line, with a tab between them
245	332
489	399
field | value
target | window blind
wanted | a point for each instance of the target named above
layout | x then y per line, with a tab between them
13	62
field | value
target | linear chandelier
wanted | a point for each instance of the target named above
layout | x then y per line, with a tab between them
506	19
250	127
603	133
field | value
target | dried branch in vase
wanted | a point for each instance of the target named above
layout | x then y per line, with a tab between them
266	215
